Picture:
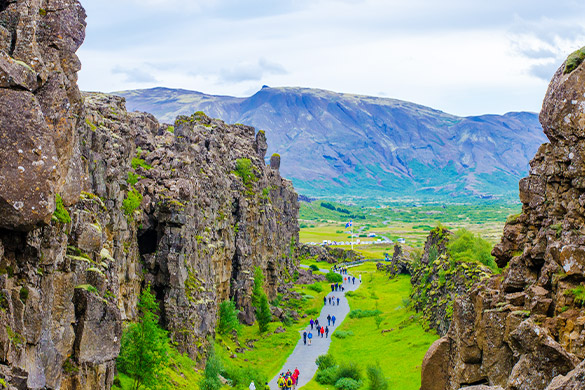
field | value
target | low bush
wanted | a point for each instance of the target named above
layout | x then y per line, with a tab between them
327	376
332	277
240	377
132	202
325	361
347	384
315	287
349	370
465	246
341	334
61	214
314	268
376	378
359	313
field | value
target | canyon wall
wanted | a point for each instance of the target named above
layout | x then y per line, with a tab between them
97	203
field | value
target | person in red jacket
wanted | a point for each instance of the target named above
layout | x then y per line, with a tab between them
322	331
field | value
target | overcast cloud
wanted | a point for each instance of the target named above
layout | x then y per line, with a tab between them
465	57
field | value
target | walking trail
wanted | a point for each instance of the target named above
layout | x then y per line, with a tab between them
304	356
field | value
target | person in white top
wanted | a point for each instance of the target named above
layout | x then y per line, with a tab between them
252	386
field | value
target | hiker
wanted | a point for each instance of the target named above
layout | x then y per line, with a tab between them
252	386
281	383
296	374
332	287
317	322
266	387
329	300
329	320
322	331
318	330
353	280
289	382
305	337
326	331
310	336
360	278
342	288
333	320
324	300
337	301
312	323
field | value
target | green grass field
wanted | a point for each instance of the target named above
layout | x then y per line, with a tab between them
400	351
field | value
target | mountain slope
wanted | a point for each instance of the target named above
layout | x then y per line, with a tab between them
343	144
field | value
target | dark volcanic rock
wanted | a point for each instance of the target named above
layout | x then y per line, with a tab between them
525	328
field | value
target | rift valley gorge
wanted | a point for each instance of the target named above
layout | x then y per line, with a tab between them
114	219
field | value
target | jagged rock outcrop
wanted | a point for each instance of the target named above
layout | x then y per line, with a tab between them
525	329
40	105
437	280
331	255
399	264
189	209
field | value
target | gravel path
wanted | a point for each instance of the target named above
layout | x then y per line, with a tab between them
304	356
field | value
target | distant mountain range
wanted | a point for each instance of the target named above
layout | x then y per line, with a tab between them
335	144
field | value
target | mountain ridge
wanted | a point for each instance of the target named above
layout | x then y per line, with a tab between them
341	144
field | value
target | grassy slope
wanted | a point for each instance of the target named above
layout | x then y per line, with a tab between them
399	352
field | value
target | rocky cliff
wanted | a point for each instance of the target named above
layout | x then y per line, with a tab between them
96	203
525	329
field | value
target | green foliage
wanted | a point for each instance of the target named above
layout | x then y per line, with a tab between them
347	384
245	170
574	60
315	287
23	295
132	179
88	287
263	314
327	376
213	367
138	162
144	352
171	129
465	246
376	378
333	277
228	318
378	318
342	334
132	202
359	313
325	361
349	370
332	207
240	377
314	268
578	294
61	214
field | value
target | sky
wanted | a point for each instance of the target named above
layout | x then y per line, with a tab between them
465	57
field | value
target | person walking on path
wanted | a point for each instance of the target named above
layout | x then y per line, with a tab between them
353	280
317	322
324	300
337	301
326	331
322	331
296	374
332	287
318	330
310	336
266	387
329	320
305	337
360	278
312	323
252	386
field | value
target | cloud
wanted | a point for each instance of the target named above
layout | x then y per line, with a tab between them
134	75
544	71
251	71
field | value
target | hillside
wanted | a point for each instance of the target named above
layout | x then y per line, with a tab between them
342	144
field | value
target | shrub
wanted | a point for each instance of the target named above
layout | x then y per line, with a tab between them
342	334
574	60
228	317
61	214
327	376
325	361
349	370
315	287
314	268
333	277
138	162
210	380
311	312
465	246
263	314
132	202
241	377
132	179
347	384
244	169
359	313
578	294
377	379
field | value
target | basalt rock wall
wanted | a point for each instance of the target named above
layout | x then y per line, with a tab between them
97	203
525	329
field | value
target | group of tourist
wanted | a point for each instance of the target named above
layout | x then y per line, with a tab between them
331	300
288	380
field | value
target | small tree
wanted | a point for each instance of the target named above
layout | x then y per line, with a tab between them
213	367
228	318
377	379
144	353
263	314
